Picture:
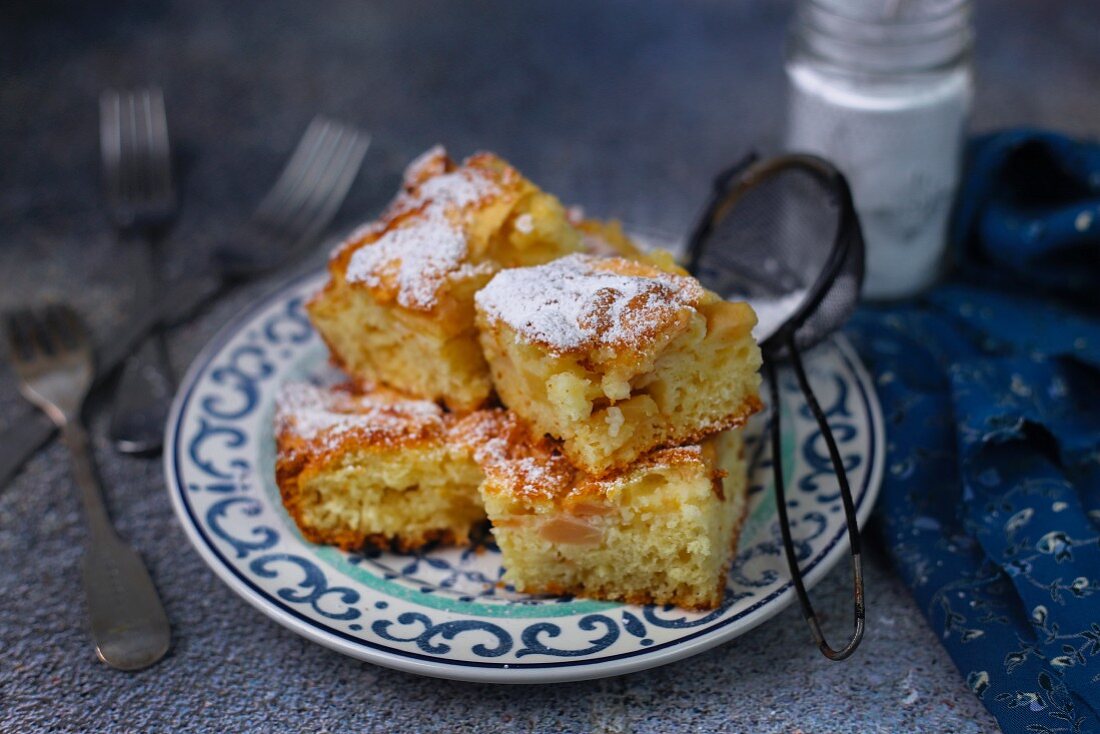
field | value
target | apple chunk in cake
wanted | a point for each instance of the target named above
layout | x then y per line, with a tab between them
616	357
398	307
378	469
661	531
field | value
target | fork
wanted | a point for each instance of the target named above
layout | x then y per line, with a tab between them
53	358
324	195
301	203
137	171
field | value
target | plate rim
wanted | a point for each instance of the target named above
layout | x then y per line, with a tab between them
478	671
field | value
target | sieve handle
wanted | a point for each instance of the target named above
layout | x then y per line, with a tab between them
846	498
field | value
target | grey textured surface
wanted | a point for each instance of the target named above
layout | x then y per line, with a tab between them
627	107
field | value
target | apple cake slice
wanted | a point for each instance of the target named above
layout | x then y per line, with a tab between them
377	468
617	357
661	531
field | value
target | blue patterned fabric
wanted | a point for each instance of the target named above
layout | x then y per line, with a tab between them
990	387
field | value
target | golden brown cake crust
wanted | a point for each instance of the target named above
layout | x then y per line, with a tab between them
316	422
606	237
535	468
547	468
314	426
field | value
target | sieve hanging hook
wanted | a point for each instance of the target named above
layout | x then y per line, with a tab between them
776	250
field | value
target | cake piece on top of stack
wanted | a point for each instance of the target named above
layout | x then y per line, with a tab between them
616	358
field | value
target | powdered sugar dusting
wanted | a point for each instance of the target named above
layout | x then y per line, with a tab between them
415	255
521	465
537	474
505	449
431	162
582	302
773	313
327	415
456	190
416	258
525	223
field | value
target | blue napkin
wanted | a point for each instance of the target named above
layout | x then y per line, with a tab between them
990	387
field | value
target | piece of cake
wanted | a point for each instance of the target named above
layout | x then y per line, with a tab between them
605	237
662	531
377	469
617	357
398	306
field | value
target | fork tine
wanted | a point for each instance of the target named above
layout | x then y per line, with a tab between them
129	152
136	154
306	196
55	327
146	163
331	189
110	140
339	184
291	175
76	326
160	151
306	190
142	134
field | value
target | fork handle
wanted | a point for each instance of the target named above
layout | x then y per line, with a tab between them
129	625
145	389
87	481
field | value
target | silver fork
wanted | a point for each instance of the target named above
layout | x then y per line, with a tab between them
53	357
137	171
301	203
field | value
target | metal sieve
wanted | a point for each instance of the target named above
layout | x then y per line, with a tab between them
783	234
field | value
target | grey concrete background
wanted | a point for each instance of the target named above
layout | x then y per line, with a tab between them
624	106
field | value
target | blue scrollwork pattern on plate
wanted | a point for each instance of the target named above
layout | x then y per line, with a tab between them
534	636
313	588
262	537
429	631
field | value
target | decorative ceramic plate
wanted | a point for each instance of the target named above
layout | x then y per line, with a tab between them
442	611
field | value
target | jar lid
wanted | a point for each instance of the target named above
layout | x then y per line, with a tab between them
884	36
